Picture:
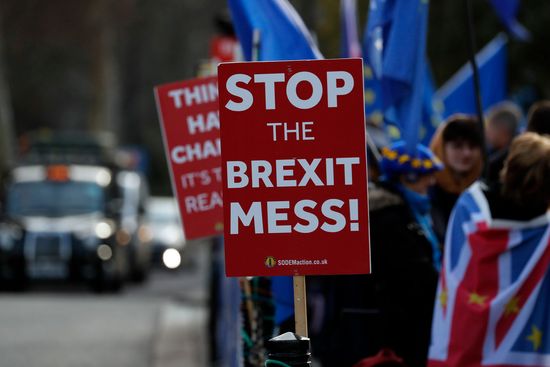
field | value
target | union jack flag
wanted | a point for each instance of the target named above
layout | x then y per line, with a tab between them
493	299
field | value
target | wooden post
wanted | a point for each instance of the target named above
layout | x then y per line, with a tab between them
251	312
300	305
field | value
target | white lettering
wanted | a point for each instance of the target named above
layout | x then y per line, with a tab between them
333	91
190	152
260	170
274	216
338	218
269	81
237	215
309	172
243	94
292	93
311	219
347	163
236	170
283	173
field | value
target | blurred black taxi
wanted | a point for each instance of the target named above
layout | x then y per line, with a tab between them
58	222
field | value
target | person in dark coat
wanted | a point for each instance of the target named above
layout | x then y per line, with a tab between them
392	307
538	118
458	144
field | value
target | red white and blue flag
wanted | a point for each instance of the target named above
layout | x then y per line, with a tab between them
493	300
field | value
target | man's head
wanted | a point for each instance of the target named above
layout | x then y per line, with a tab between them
538	118
502	123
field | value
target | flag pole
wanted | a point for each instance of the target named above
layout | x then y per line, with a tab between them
256	44
477	87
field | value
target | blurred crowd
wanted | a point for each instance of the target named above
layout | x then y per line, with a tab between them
499	176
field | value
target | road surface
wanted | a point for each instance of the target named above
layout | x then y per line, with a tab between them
159	324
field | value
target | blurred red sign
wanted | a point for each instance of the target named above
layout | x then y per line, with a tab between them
224	48
294	167
190	125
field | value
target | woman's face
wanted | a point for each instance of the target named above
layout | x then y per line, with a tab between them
461	156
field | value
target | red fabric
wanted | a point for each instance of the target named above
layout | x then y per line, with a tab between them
384	358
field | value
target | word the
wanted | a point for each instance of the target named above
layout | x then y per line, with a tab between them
301	131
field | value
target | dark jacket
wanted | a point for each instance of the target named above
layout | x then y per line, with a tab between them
392	307
443	203
496	163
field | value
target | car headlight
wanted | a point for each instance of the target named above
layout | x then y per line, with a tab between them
103	230
9	234
171	258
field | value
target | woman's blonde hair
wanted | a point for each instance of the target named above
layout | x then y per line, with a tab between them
526	173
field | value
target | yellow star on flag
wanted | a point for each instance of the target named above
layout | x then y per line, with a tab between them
477	299
438	105
443	298
511	307
394	132
368	72
535	337
376	118
370	96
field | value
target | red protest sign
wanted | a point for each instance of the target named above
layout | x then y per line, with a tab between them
294	167
190	124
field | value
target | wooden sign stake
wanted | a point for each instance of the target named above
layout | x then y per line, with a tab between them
300	305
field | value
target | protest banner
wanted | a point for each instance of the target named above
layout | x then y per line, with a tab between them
188	112
294	168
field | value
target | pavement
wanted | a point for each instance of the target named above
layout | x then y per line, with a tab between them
181	339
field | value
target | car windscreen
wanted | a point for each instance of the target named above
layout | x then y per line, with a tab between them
54	199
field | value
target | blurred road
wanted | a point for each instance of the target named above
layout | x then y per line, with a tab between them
159	324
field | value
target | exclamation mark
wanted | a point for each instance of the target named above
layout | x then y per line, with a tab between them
353	215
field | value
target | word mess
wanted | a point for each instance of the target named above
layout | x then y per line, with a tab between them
276	213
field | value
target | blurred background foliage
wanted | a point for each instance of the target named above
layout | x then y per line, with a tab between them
92	64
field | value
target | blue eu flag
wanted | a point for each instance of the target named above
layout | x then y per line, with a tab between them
283	35
395	48
457	94
507	11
